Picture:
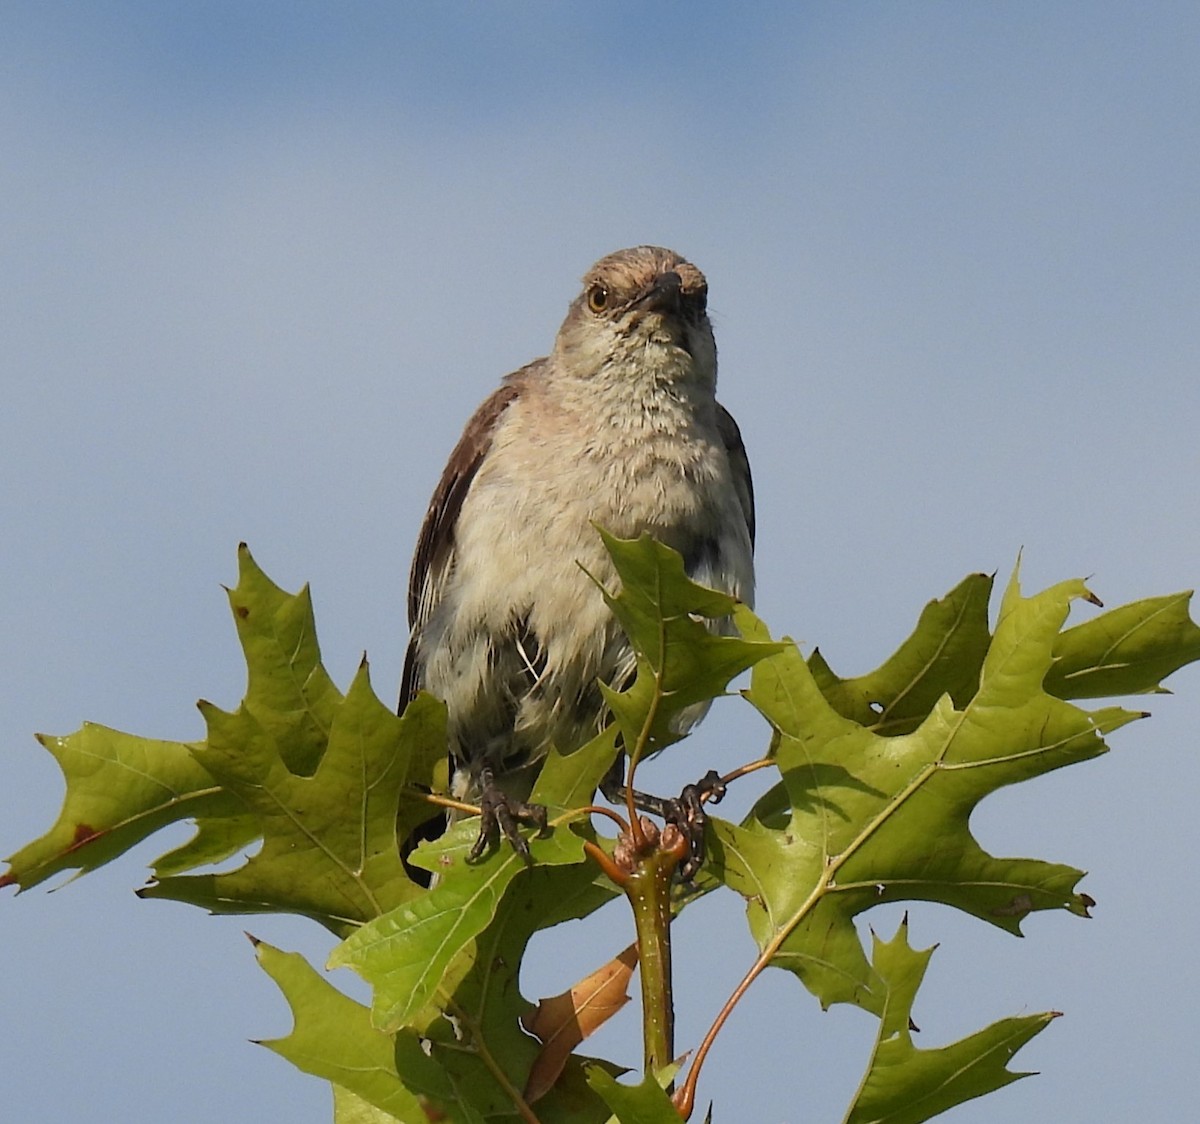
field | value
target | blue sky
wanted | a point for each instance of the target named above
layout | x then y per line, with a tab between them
261	261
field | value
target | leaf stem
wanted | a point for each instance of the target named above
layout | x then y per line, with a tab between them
685	1097
745	770
610	868
597	810
447	802
635	757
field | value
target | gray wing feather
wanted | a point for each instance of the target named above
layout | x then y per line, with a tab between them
434	555
736	450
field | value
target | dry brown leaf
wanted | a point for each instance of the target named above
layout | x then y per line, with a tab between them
563	1021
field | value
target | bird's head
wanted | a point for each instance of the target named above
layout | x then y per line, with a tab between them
642	311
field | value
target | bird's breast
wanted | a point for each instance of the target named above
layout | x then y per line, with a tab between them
521	634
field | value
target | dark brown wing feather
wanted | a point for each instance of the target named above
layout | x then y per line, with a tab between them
436	540
742	481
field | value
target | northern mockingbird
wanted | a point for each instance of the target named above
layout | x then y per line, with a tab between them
618	426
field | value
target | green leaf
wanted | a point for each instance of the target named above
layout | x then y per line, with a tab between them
681	662
404	1076
1126	651
570	780
288	690
943	656
351	1109
120	790
217	838
487	1003
333	1038
873	819
405	953
904	1085
644	1103
331	848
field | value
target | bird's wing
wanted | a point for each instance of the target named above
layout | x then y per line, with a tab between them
434	555
736	450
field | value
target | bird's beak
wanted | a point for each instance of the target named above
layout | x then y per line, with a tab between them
663	296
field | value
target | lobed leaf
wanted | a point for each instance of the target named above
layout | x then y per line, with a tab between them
333	1038
904	1085
943	656
216	838
644	1103
331	842
1126	651
288	690
404	1076
482	989
869	819
568	781
681	661
405	953
120	789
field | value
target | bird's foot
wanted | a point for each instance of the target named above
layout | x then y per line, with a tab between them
499	814
685	811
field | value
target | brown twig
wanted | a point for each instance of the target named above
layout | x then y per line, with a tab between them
449	802
606	864
743	771
597	810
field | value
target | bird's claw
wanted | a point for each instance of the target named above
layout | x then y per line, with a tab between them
686	812
500	814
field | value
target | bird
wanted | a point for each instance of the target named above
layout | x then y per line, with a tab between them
617	427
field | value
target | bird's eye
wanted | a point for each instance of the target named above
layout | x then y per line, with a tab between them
597	298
